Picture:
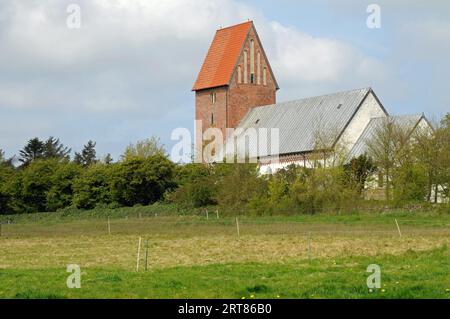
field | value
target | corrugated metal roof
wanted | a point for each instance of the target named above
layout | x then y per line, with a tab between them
300	121
406	122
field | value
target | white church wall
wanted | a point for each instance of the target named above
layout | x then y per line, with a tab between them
369	108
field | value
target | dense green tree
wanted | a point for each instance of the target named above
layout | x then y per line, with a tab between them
358	170
93	186
237	185
35	181
34	149
61	192
409	183
142	180
196	185
6	176
53	148
88	155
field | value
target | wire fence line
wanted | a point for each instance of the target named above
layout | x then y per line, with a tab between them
188	226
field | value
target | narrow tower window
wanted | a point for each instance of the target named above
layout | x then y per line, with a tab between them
258	68
265	76
245	67
212	118
213	97
252	58
239	75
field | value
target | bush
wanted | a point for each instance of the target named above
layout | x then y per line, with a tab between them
93	186
142	180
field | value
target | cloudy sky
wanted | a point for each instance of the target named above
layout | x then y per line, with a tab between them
127	72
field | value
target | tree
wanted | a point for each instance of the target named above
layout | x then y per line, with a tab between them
237	185
93	186
196	185
144	148
87	156
142	180
384	148
34	149
443	160
34	182
358	170
409	183
61	192
6	176
108	159
53	148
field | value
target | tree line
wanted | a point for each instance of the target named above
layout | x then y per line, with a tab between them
410	169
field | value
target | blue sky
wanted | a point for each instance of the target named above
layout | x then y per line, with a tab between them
126	74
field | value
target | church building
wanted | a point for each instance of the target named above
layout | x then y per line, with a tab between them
236	88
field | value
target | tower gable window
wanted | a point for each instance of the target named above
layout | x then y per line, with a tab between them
265	76
245	67
252	61
258	68
239	75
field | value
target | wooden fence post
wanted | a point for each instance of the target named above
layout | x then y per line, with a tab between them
146	254
398	228
217	213
309	245
237	227
138	254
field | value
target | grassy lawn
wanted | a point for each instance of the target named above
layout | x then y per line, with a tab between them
323	256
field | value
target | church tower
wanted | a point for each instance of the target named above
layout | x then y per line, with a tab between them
235	76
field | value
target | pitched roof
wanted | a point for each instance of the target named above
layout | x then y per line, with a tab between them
299	121
222	56
405	122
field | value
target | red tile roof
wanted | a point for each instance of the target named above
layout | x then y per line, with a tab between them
222	56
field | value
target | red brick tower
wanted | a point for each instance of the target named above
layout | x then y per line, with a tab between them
235	76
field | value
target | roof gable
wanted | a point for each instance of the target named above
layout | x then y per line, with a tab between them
222	56
406	122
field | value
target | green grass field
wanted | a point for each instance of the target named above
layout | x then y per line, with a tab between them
323	256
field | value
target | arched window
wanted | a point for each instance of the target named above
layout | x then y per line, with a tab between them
245	66
258	68
252	59
265	76
239	75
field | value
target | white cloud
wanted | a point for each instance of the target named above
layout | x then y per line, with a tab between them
304	58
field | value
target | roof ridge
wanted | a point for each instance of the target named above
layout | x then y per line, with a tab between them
311	97
234	25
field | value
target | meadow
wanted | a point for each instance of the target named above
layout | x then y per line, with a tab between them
194	256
